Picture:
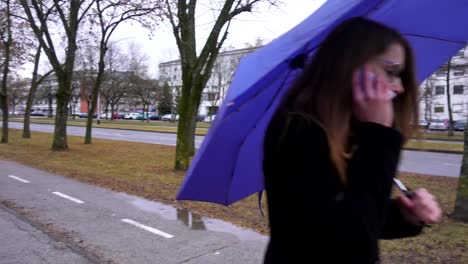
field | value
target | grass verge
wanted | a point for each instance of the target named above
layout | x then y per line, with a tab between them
458	136
202	129
152	126
432	146
146	170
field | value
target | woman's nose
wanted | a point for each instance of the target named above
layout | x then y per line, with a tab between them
397	88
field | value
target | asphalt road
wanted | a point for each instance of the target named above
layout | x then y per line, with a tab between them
430	163
89	224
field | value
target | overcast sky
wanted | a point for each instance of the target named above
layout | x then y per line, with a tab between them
265	22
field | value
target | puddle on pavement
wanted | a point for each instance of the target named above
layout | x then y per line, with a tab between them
192	220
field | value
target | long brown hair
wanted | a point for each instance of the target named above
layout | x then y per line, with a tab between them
323	92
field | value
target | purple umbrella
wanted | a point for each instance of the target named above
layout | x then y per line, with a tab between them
228	165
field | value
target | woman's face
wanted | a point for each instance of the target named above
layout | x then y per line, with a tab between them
389	65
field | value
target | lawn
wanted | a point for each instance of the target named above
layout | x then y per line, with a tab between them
202	129
146	170
152	126
432	146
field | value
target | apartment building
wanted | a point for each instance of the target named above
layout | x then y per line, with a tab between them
215	90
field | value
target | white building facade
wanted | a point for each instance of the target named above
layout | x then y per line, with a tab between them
433	91
434	95
216	87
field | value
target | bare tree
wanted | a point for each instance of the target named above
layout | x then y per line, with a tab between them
427	96
451	71
14	46
146	91
114	89
171	78
223	71
196	68
108	15
18	90
6	37
75	97
36	80
69	15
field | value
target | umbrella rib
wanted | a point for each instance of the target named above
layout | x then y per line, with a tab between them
266	110
435	38
308	51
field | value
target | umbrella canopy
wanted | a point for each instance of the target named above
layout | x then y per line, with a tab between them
228	165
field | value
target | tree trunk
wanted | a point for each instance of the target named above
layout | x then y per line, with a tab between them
183	131
61	113
194	106
50	111
449	101
4	104
112	111
31	94
27	114
94	98
5	71
461	204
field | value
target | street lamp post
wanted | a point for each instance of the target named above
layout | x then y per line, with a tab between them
99	109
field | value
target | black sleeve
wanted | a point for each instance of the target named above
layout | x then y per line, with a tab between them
349	221
396	226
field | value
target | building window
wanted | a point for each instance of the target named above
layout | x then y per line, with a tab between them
458	89
212	96
457	108
441	72
459	71
439	90
439	109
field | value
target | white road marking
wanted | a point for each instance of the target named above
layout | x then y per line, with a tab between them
18	179
68	197
147	228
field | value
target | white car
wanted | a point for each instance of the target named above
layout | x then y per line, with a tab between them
133	116
109	115
170	117
438	124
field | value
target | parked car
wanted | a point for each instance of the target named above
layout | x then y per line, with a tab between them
170	117
134	116
85	115
104	115
438	124
37	113
154	116
459	125
423	124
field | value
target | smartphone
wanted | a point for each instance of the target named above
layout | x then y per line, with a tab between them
408	193
373	77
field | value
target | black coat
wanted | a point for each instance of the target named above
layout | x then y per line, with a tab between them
313	218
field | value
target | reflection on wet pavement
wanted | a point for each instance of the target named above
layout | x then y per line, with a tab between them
191	220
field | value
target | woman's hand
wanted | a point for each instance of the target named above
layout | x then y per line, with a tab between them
422	208
372	102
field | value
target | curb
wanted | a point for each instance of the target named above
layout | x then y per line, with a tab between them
139	130
198	134
436	139
435	151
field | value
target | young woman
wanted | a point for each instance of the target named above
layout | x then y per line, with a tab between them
332	149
